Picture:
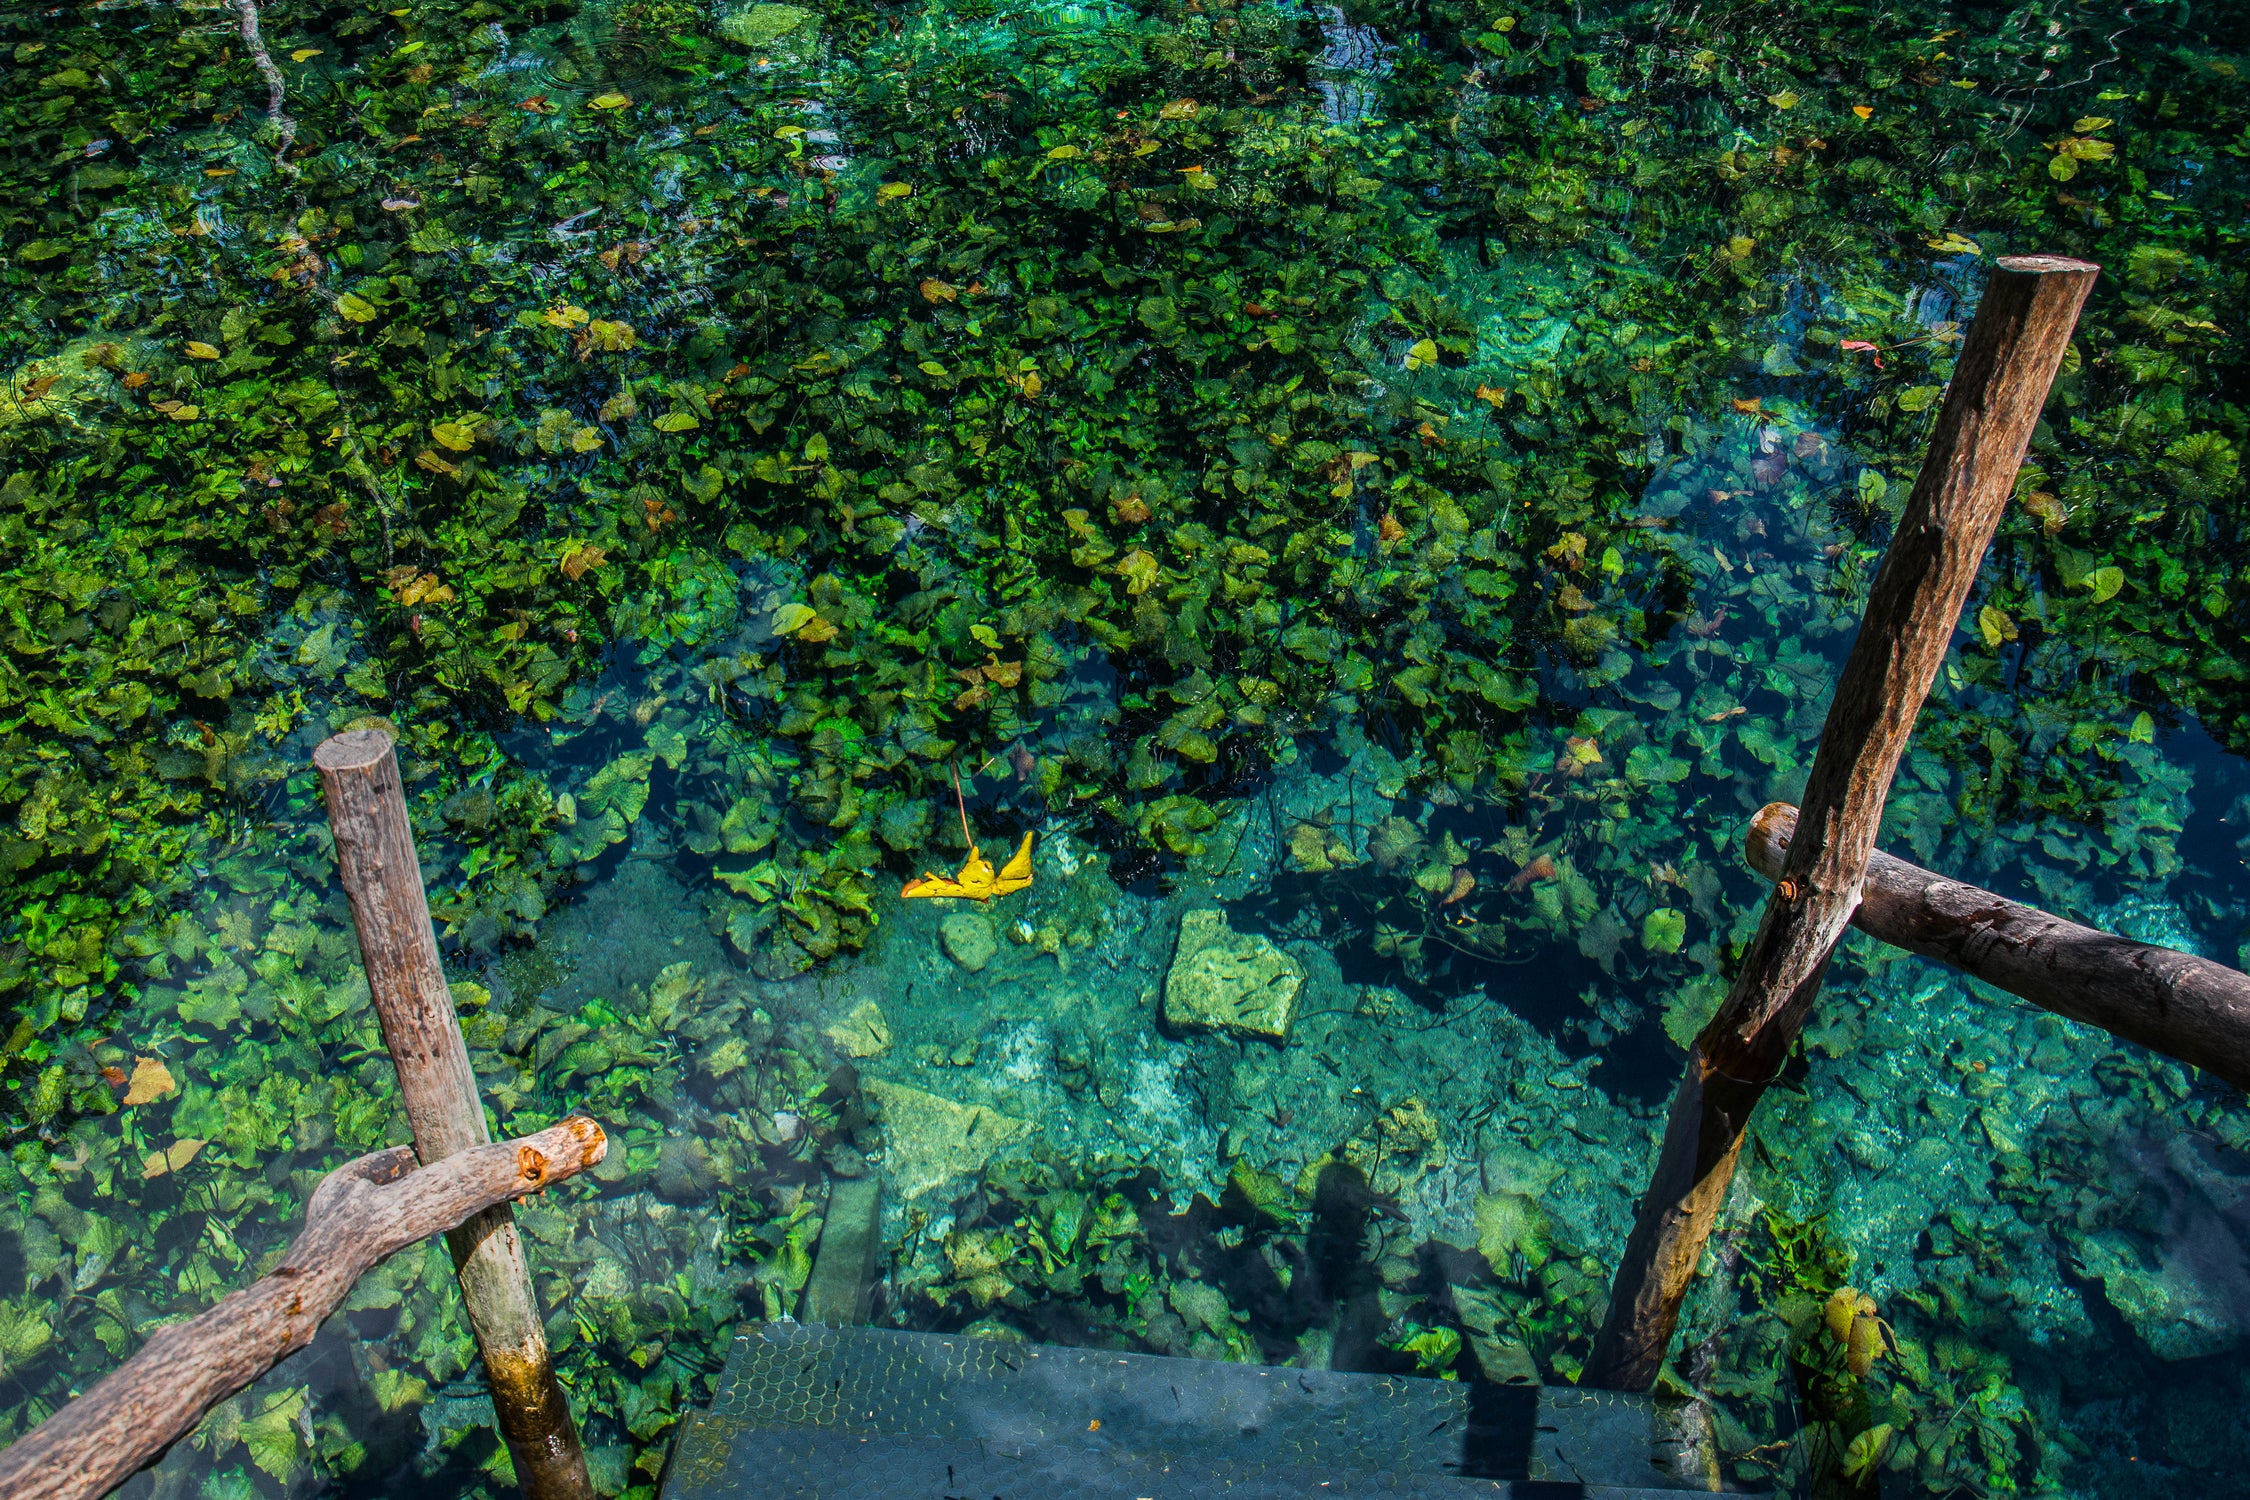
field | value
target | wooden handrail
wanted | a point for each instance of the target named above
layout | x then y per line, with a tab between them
2171	1002
376	862
2007	365
361	1214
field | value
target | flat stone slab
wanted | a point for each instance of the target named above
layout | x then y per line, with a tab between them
930	1141
1223	980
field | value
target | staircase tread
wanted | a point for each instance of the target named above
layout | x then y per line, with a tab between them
1127	1421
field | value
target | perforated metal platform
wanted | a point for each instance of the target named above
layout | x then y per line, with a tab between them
808	1413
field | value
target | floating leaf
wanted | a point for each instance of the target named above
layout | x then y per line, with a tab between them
2091	123
1064	153
1786	99
355	308
610	336
302	53
934	290
197	349
1863	110
791	618
1995	626
566	316
42	249
1919	397
892	190
608	101
1423	353
454	435
676	421
2105	582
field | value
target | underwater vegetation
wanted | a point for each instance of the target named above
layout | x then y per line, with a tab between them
702	432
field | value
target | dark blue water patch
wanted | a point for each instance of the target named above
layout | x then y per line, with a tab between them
2215	843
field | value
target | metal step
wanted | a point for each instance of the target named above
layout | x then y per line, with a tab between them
806	1412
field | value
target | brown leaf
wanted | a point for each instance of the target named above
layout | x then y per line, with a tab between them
1130	511
934	290
1002	673
151	1080
172	1158
580	561
1388	528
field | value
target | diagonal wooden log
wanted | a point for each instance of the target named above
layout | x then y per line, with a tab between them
376	861
361	1214
2168	1001
2000	383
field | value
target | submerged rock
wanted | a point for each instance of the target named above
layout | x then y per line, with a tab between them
866	1032
932	1141
1223	980
968	939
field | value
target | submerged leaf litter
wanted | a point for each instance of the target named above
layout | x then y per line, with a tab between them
1376	497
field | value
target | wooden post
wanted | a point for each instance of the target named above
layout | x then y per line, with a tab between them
361	1214
2000	383
376	860
2168	1001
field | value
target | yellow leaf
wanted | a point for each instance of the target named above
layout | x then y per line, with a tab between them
1865	1451
791	618
1740	246
564	315
2090	124
1064	153
1138	569
171	1158
611	337
1199	179
1486	393
2106	582
2142	732
151	1080
1995	626
454	435
1863	110
931	368
676	421
1178	109
197	349
608	101
1422	354
977	882
890	190
304	52
1031	387
934	290
1783	100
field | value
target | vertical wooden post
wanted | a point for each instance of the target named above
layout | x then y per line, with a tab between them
2000	383
382	876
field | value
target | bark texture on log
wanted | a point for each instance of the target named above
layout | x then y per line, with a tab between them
383	877
362	1213
2008	362
2171	1002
